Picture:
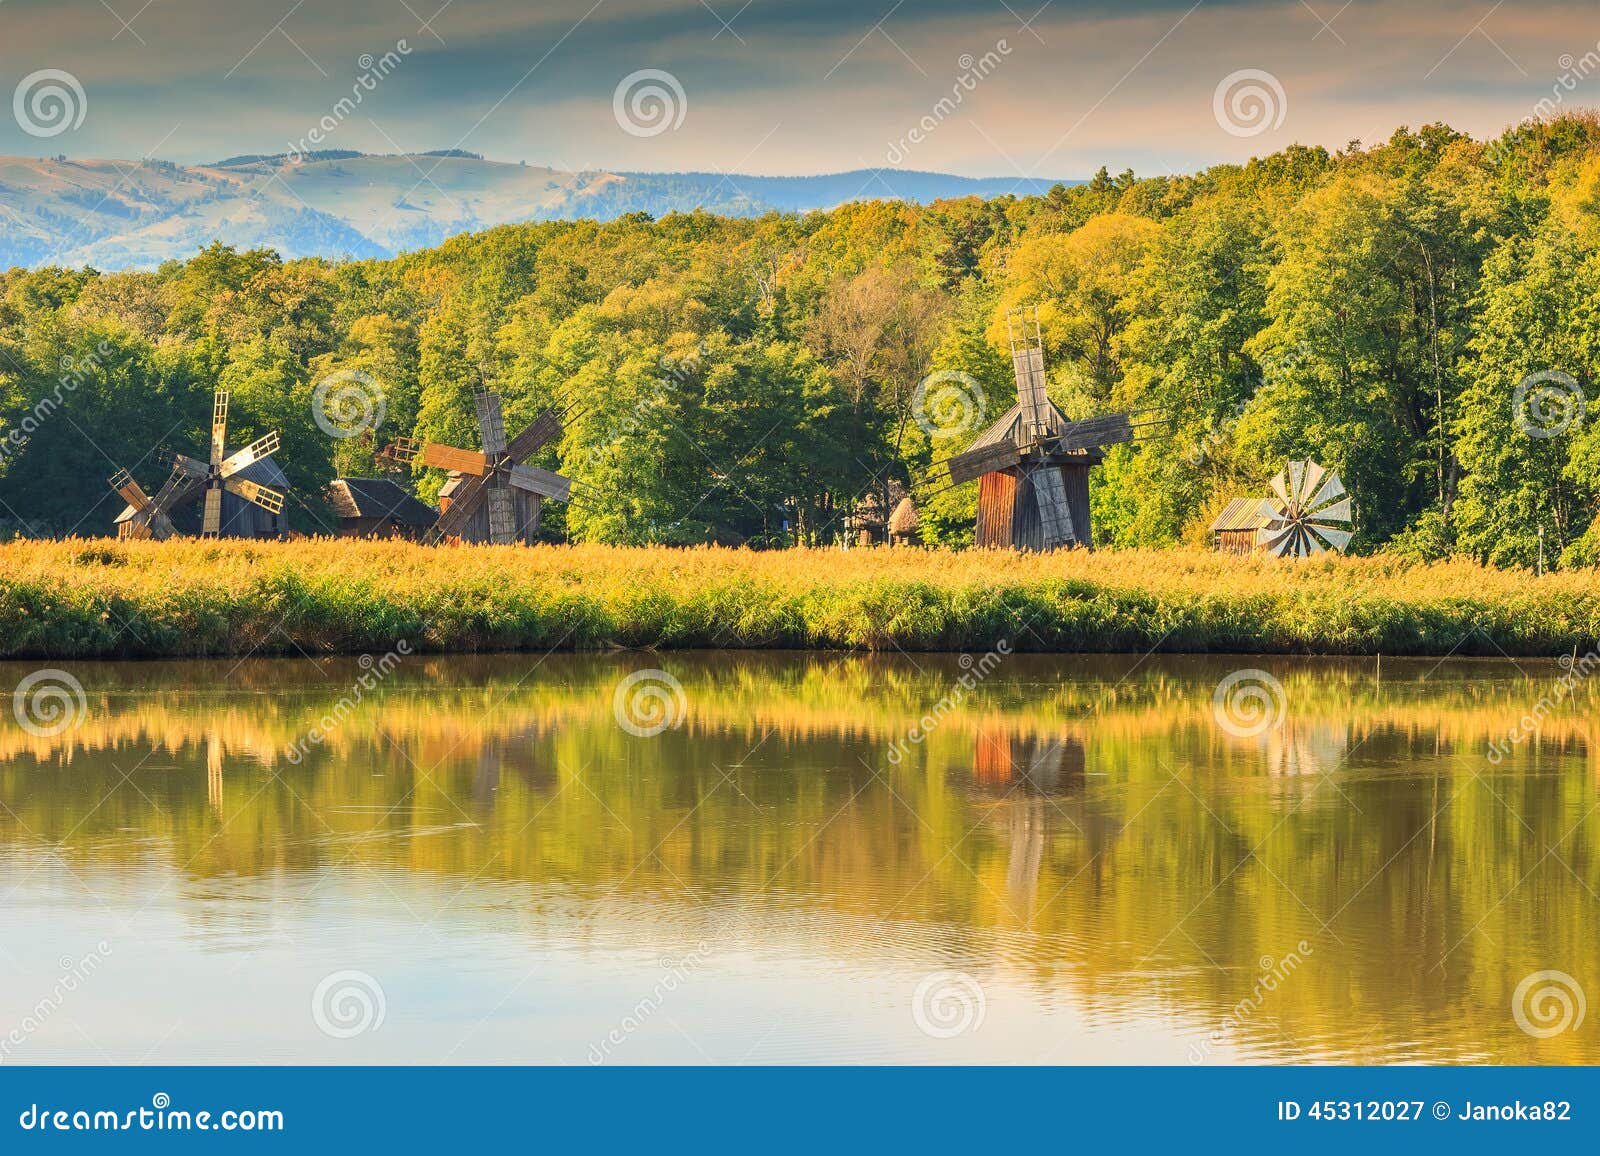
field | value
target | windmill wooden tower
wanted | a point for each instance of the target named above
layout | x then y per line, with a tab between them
491	495
1032	466
244	491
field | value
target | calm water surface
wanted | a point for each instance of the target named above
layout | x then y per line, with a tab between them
1077	862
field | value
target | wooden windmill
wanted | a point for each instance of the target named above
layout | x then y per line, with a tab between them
248	474
1032	466
491	495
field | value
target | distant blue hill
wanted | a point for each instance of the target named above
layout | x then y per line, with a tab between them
337	203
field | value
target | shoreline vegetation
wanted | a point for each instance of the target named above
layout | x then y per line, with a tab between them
82	598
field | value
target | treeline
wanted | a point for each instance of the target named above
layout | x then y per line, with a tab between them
1422	316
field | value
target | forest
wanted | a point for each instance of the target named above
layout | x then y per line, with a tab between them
1421	315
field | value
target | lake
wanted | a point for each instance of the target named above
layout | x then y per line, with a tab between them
777	857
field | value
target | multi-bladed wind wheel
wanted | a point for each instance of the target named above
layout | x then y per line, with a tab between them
1312	516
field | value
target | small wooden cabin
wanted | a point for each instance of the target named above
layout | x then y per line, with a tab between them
525	508
1235	529
240	519
378	508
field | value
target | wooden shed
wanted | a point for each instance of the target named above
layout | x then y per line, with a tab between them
1235	529
378	508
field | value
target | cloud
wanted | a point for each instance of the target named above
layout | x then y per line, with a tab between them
780	86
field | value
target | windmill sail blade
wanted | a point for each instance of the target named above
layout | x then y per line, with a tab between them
1338	539
1055	516
211	524
132	493
449	458
174	490
1093	432
1027	365
1297	473
502	519
251	454
1280	486
1332	488
1309	482
1278	537
983	460
193	467
1338	512
541	482
219	427
266	497
463	505
491	421
541	431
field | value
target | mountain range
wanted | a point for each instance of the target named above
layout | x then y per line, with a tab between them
135	214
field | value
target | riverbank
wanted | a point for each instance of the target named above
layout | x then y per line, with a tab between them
80	599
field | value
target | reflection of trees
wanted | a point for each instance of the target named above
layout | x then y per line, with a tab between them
1109	831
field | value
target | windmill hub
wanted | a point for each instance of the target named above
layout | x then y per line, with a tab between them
191	477
492	485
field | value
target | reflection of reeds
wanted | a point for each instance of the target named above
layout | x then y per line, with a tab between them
1111	846
463	704
70	599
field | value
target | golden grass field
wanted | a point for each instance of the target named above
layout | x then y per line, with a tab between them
81	598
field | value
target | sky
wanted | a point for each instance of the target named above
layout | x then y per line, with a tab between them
783	87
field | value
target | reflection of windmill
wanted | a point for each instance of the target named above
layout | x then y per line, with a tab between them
491	495
1033	464
248	474
1311	511
1034	763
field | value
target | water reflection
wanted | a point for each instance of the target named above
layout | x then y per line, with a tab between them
1078	834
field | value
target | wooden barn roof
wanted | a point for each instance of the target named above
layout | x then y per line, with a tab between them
378	498
1009	427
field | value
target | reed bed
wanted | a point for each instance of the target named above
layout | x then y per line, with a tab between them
92	598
